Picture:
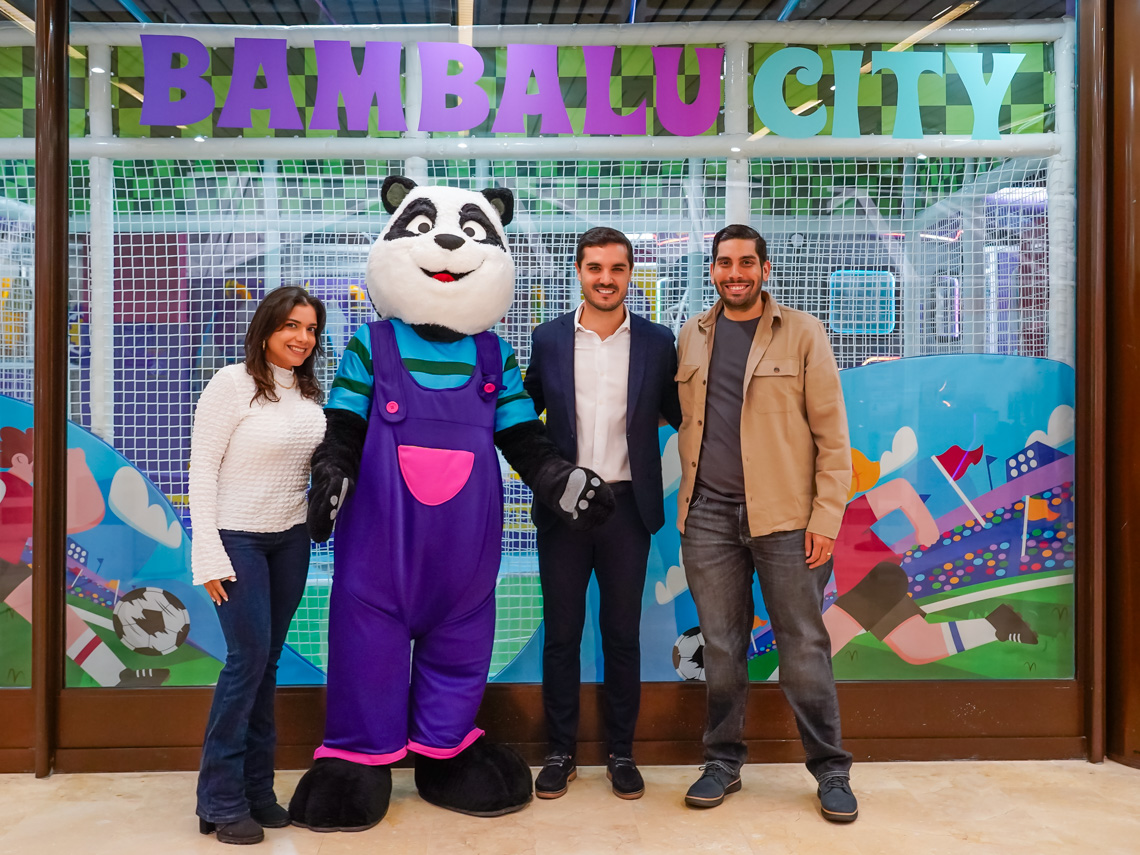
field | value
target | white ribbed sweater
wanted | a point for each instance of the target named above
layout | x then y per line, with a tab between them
249	463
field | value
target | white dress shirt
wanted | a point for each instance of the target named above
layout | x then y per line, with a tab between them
601	391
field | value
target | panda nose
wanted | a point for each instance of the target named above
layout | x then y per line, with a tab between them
449	241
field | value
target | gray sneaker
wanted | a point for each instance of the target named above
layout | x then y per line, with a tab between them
710	789
836	801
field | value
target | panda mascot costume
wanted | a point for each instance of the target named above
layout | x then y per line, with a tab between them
409	474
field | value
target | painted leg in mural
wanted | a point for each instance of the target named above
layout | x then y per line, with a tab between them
457	767
879	605
879	602
86	649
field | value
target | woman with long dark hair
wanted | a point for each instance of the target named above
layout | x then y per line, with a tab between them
255	428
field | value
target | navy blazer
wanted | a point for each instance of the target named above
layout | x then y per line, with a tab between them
652	395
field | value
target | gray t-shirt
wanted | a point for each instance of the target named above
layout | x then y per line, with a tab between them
720	475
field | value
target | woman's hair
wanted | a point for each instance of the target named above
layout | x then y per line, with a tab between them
272	313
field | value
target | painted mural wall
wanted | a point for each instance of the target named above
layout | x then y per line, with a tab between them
955	559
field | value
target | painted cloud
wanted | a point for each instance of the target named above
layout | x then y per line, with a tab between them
904	448
675	583
1060	428
130	500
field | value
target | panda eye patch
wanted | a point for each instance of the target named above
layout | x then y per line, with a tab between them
473	230
421	224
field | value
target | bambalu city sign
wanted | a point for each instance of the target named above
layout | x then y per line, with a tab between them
176	91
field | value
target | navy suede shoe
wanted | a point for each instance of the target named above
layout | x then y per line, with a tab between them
836	801
710	789
552	781
627	781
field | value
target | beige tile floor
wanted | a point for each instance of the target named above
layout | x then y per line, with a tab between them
1031	808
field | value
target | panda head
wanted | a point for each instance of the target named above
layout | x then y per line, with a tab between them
442	260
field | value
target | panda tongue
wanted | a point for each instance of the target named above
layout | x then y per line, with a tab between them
444	277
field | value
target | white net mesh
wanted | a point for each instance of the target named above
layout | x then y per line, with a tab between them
898	257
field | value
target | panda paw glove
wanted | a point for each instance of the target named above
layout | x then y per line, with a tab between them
335	465
327	495
586	501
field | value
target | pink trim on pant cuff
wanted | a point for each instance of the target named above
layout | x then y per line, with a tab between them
357	757
445	753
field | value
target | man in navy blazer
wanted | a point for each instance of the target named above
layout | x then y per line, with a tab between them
605	378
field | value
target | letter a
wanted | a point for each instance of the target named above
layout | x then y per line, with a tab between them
250	56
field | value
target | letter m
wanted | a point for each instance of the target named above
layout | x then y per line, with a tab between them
377	82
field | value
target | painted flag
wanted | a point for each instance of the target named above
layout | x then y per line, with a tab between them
955	460
1038	509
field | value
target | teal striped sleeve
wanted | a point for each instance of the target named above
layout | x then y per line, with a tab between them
515	405
352	388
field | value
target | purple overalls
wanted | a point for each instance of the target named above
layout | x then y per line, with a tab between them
417	555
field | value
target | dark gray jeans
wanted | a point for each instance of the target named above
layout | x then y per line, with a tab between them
720	557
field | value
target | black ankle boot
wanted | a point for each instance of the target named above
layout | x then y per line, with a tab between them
271	816
241	831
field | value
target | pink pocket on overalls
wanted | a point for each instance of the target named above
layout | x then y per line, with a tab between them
434	475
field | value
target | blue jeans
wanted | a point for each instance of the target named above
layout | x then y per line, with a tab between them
236	775
720	557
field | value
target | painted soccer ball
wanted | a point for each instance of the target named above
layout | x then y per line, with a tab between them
689	654
151	621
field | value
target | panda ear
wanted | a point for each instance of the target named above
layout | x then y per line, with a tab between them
503	201
395	189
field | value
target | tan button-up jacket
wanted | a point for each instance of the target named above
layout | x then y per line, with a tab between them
793	424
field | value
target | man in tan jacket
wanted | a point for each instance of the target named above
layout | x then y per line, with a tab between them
765	469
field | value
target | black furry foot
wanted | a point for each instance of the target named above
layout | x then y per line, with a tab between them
484	780
336	795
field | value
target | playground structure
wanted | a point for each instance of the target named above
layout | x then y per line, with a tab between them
901	247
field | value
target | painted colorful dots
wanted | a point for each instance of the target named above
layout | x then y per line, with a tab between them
1000	573
920	577
1004	545
949	566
